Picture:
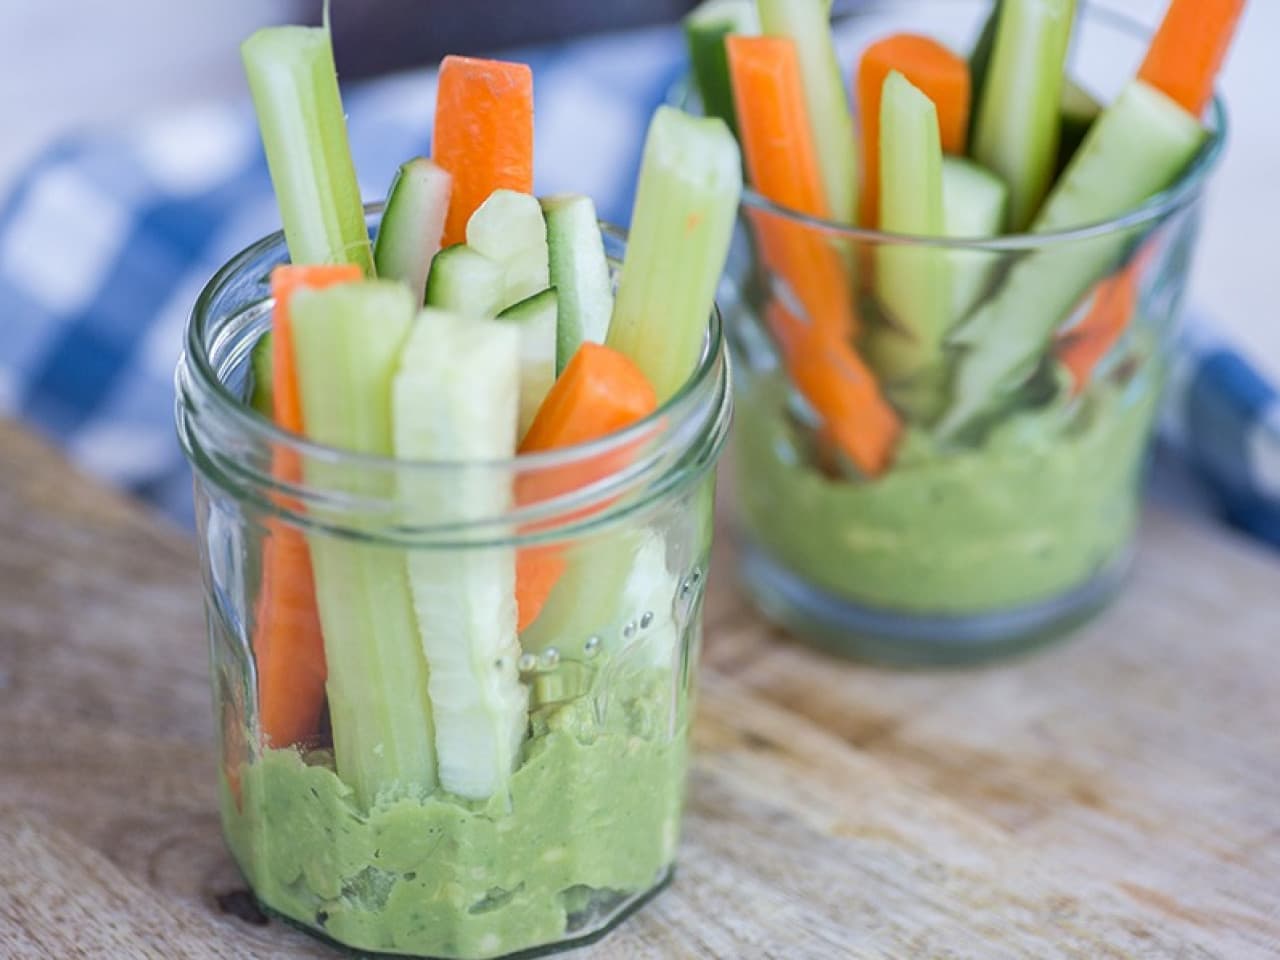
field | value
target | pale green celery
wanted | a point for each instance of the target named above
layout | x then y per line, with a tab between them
413	224
455	401
808	23
705	30
347	343
579	273
913	280
1019	119
980	61
1138	147
681	226
508	228
295	93
262	390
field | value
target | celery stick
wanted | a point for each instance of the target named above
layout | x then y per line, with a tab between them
347	343
413	224
579	272
508	228
704	30
295	92
1138	147
1018	123
913	281
685	209
808	23
455	401
980	61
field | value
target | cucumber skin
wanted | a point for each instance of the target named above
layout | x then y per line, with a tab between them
413	224
705	30
466	282
579	270
1138	147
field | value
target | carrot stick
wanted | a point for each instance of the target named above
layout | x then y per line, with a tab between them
1081	349
782	162
483	134
287	642
841	389
1188	49
600	392
938	72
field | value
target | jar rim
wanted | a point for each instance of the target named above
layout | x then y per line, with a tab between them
196	360
1184	191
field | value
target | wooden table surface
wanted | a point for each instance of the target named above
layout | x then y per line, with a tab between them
1115	796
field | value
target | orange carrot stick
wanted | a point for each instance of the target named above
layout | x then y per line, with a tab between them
483	134
287	643
600	392
841	389
1081	349
938	72
782	162
1188	49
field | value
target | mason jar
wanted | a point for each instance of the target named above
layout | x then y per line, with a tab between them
973	542
341	797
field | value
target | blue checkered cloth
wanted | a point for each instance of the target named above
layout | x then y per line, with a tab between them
106	240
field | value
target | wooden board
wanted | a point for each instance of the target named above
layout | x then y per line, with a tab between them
1117	796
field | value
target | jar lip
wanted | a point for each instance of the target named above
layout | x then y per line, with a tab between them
683	405
1182	192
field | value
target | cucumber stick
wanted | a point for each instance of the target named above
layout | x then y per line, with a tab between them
1138	147
347	343
262	388
913	281
535	319
704	30
579	272
808	24
295	94
455	400
466	282
508	228
413	224
1018	125
975	204
681	226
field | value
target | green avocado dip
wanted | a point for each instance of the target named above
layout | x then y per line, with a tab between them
590	822
1041	504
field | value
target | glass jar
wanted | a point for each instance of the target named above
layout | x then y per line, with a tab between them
347	814
986	539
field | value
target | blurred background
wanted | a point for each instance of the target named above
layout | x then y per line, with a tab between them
88	87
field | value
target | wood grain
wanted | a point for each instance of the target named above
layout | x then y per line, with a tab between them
1112	797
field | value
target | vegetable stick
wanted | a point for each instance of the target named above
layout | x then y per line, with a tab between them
682	225
1018	126
841	389
483	134
1082	348
705	30
782	163
295	94
600	392
287	643
808	24
937	72
1187	52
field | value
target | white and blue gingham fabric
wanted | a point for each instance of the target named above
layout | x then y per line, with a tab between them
106	240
